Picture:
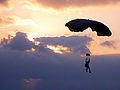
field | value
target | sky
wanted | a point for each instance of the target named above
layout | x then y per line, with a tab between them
39	18
38	52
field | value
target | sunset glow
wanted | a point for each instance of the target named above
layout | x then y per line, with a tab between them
59	49
48	19
30	83
30	38
28	22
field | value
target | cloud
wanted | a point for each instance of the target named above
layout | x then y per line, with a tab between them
20	70
19	42
42	49
61	45
108	44
4	3
6	20
62	4
77	44
29	71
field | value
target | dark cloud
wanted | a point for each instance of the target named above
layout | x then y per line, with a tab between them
60	4
109	44
77	44
28	71
20	70
19	42
72	44
42	48
4	3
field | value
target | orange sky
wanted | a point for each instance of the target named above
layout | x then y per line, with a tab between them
46	17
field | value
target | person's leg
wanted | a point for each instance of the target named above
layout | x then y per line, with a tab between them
89	70
86	69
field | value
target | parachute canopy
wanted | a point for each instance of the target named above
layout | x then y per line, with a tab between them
79	25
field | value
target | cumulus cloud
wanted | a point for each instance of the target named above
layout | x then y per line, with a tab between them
60	4
108	44
61	45
77	44
19	42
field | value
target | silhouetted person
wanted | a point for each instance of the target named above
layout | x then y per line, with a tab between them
87	61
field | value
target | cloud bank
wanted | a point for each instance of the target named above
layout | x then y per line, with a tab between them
77	44
30	71
46	70
72	44
61	4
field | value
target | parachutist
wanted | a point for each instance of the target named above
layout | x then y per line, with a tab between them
87	61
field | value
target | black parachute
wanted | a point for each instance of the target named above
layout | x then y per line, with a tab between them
79	25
